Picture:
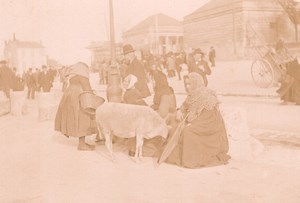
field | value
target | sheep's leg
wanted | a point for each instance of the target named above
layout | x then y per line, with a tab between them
99	136
139	147
108	143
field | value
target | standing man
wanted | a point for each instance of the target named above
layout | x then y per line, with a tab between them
190	60
31	84
6	78
136	68
45	79
212	56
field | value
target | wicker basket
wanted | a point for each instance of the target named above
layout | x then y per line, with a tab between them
89	102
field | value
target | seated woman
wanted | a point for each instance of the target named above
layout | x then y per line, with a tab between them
164	100
203	140
132	95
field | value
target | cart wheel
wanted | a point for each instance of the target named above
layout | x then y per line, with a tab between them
262	73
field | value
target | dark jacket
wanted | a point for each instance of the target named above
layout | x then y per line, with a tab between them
136	68
45	81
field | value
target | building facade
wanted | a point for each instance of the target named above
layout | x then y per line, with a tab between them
236	27
158	34
23	55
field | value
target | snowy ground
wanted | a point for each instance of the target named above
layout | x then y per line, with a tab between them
40	165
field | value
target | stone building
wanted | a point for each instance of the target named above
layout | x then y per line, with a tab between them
158	34
237	27
23	55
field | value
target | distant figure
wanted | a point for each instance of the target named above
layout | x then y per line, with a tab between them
178	62
200	65
45	80
52	73
6	77
212	56
18	82
136	68
32	83
36	75
190	60
171	65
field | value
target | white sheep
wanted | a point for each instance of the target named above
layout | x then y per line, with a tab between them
126	121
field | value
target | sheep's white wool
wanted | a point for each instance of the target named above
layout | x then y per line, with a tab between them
241	144
126	120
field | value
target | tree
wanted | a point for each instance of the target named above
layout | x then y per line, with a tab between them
290	7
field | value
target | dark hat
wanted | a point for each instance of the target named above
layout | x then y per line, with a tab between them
3	62
127	48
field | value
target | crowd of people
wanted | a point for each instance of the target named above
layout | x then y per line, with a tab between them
172	63
12	80
203	141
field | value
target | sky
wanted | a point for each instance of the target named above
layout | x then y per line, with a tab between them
66	27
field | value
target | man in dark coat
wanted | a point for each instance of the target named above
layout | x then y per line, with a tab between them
45	79
190	60
6	78
136	68
31	84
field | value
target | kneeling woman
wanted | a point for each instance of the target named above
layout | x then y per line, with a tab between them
203	140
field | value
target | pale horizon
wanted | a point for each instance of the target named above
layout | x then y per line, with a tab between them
67	27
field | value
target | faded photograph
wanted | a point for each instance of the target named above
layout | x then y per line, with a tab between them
150	101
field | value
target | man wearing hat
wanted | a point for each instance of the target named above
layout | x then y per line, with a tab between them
200	65
136	68
45	79
6	78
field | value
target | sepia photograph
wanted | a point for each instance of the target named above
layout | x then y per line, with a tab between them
150	101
